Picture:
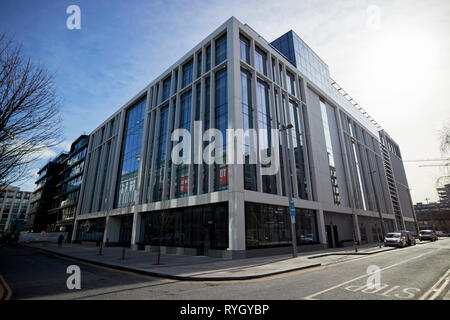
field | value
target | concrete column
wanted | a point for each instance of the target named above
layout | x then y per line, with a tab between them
321	226
236	207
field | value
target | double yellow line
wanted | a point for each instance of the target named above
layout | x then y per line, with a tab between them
438	288
5	290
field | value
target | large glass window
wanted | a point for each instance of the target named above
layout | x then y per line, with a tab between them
261	61
244	49
158	170
175	85
131	151
169	155
201	227
279	119
221	123
206	125
197	117
199	64
150	156
187	74
358	168
330	153
265	137
166	90
290	81
269	226
247	123
296	121
182	170
208	58
221	49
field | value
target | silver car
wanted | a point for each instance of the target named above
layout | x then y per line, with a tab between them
395	239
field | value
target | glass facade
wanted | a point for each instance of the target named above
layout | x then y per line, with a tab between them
261	61
290	82
202	227
221	124
199	64
182	170
172	116
206	125
250	182
244	47
158	170
197	117
131	151
166	90
269	184
187	74
295	114
329	146
208	58
269	226
221	49
358	168
279	119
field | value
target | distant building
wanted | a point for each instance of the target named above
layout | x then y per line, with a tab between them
69	187
14	205
444	193
54	201
435	215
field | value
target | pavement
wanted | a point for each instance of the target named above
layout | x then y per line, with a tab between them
413	273
201	268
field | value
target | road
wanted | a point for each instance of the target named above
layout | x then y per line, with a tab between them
404	274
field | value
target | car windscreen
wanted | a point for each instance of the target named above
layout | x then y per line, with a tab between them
393	235
425	232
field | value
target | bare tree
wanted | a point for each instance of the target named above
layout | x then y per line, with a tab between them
29	113
444	139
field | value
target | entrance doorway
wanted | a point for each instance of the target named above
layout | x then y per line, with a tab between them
329	236
336	237
126	226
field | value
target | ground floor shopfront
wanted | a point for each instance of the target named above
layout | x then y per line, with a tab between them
205	230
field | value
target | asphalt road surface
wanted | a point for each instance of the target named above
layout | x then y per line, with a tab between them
412	273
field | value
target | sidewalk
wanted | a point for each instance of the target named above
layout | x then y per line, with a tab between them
201	268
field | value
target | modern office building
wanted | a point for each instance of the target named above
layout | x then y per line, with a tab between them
55	199
69	186
44	200
14	205
134	191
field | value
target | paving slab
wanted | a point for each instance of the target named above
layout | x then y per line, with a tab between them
202	268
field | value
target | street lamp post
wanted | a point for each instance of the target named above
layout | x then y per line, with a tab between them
283	131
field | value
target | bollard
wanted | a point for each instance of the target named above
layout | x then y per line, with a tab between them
100	250
123	253
356	246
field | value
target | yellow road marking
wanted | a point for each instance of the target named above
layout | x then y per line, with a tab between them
8	289
437	291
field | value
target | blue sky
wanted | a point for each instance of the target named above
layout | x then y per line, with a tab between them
397	70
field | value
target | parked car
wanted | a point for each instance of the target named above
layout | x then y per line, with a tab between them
396	239
427	235
410	238
440	233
